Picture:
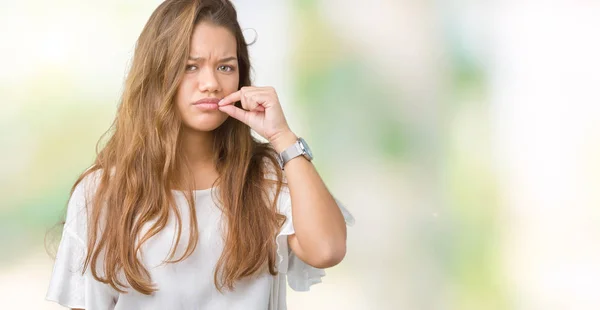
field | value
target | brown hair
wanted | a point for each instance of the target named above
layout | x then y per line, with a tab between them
141	162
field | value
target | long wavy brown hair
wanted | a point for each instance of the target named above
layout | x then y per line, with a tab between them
142	163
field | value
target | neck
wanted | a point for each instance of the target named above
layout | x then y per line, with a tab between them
197	147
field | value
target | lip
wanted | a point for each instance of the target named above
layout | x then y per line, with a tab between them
207	103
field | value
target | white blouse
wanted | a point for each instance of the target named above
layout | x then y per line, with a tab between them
187	284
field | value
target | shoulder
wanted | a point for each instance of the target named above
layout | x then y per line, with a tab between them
81	198
85	189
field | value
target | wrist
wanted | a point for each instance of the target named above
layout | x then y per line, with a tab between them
283	140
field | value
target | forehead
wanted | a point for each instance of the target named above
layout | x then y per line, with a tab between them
209	40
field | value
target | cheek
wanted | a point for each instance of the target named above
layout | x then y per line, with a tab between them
183	88
231	85
183	94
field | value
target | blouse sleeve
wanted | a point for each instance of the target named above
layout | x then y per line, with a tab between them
69	285
300	275
67	281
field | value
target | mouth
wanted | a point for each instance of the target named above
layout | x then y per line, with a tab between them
207	104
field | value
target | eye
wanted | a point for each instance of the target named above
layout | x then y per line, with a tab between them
225	68
190	68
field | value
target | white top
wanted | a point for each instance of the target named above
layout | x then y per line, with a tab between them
185	285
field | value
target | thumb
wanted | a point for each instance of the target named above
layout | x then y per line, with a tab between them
235	112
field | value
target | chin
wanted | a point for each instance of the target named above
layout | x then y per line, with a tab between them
206	123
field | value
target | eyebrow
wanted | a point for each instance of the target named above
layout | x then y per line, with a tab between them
221	60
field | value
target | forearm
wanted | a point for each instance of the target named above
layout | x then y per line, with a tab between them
318	222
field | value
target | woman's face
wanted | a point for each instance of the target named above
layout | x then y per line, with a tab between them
211	73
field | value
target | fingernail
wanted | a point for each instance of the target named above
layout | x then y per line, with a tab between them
220	102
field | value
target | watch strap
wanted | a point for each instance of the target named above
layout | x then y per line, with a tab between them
291	152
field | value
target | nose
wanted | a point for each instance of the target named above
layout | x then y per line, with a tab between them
208	81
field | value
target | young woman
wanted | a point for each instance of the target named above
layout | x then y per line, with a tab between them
183	208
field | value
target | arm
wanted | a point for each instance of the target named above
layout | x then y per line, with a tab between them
320	238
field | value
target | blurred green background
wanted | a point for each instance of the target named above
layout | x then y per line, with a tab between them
463	136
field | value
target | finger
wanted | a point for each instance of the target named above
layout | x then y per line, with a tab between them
235	112
231	98
265	96
254	101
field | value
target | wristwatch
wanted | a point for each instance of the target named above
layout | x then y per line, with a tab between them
300	147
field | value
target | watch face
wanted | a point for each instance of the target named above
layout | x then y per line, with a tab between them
308	152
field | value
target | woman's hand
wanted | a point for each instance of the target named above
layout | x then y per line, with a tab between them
262	112
320	230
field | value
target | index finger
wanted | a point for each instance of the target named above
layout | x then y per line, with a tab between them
231	98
